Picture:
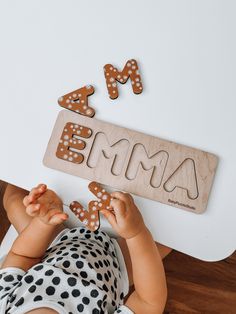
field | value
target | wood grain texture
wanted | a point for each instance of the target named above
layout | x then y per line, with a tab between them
131	161
200	287
4	222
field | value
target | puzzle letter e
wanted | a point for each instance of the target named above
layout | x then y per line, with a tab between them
131	161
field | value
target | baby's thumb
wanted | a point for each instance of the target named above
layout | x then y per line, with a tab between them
109	216
58	219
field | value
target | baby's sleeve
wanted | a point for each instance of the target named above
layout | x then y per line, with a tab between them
9	278
123	310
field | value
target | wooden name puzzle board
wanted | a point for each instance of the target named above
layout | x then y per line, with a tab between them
131	161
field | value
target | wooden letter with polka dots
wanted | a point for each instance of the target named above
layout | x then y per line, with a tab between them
90	218
104	198
69	144
77	101
130	70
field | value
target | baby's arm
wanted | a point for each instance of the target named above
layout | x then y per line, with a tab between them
31	244
148	272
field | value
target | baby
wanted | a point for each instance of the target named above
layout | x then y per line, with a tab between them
53	269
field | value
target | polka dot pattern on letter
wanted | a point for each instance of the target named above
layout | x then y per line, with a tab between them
90	218
77	101
69	140
130	70
104	198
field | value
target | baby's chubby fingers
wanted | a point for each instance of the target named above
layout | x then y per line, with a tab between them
33	210
125	197
110	217
56	218
119	207
34	194
37	192
36	209
127	219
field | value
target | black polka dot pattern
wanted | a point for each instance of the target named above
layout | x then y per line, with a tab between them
94	293
32	289
50	290
19	302
56	281
8	278
80	273
38	298
29	279
65	295
76	293
39	282
80	308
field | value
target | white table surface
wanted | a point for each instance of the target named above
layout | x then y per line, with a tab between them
186	51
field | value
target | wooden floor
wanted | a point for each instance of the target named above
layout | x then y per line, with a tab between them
4	223
200	287
194	286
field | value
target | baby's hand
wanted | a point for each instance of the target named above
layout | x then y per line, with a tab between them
45	204
125	218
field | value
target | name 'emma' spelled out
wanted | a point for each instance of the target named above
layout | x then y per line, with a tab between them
138	163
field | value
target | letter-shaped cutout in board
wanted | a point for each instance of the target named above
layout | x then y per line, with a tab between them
77	101
130	70
131	161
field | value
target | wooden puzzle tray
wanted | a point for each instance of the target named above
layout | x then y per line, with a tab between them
131	161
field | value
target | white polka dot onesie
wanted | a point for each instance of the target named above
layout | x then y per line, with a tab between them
81	272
